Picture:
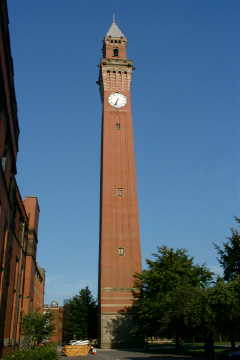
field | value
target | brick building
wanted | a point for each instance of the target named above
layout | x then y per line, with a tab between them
34	280
57	312
119	244
13	258
18	224
39	287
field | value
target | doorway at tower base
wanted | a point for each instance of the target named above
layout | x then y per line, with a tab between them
116	332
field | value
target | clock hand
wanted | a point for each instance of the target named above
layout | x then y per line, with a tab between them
116	102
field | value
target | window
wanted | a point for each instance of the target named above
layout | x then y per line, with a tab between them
115	52
121	251
119	192
118	125
3	161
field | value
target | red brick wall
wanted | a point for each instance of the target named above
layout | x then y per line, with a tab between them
119	222
35	276
13	262
15	238
12	214
57	312
39	287
28	292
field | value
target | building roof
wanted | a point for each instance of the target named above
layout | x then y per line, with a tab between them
114	31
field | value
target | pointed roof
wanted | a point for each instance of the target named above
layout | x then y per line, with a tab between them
114	31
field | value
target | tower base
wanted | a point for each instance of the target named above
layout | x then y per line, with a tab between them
116	332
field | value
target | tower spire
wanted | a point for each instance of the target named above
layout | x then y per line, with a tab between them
114	30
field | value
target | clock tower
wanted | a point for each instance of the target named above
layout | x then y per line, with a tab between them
119	245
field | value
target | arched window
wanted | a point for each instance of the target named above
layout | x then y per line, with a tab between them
115	52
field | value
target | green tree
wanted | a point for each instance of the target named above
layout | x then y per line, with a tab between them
167	293
229	255
224	300
80	316
37	327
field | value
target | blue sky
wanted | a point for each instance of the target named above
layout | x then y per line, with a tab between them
186	99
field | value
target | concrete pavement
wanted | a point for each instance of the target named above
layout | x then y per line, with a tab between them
126	355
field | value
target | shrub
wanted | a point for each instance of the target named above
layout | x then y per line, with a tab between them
36	327
46	352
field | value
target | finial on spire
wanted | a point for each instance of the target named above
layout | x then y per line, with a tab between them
114	17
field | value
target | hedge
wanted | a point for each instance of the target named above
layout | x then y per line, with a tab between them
46	352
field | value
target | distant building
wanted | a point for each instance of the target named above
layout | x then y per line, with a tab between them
57	312
18	224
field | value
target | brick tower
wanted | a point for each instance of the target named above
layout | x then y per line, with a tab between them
119	247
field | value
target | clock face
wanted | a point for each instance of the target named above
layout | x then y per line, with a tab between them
117	100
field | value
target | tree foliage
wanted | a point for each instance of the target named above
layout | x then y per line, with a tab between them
37	327
229	255
169	297
225	303
177	298
80	316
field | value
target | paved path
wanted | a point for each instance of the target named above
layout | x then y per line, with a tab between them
125	355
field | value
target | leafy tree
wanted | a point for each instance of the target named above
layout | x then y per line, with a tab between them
37	327
167	294
229	255
176	298
224	300
182	315
80	316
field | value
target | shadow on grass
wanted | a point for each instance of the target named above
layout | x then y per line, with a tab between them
168	351
162	351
